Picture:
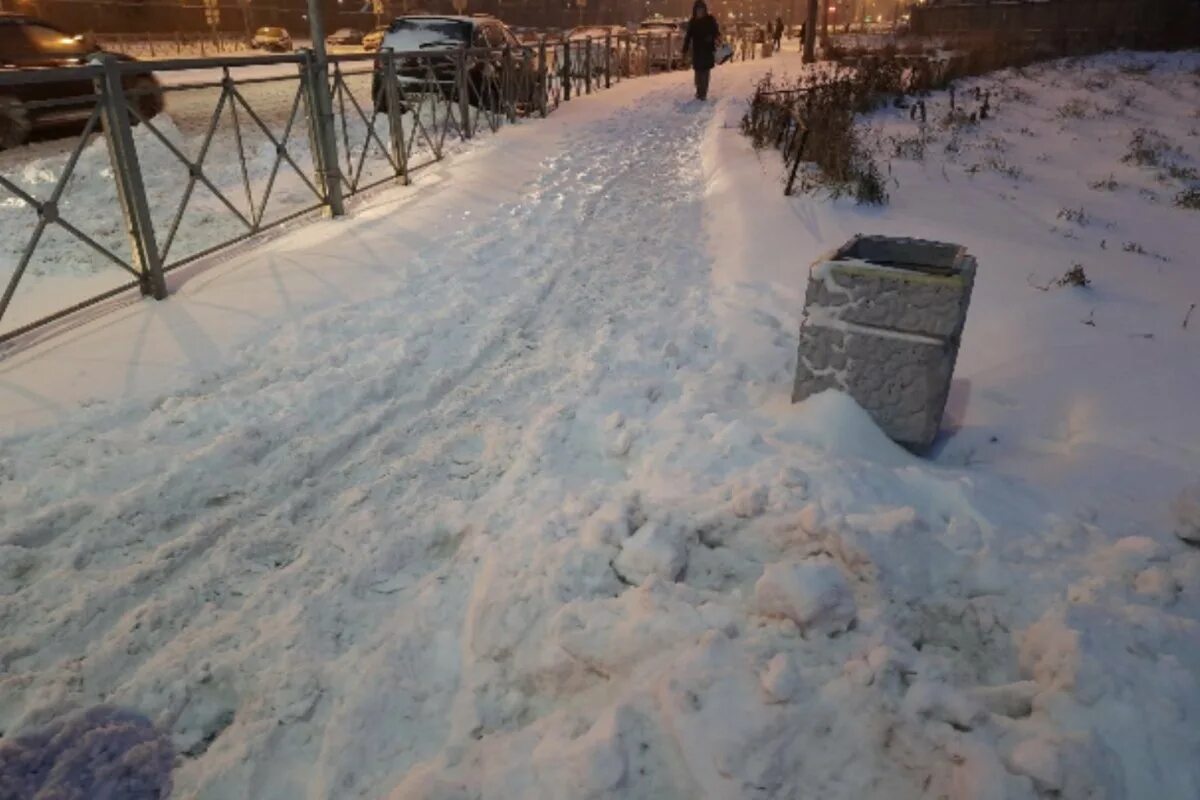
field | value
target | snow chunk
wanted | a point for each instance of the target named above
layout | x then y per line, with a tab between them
1038	759
749	503
780	680
609	525
812	593
1187	514
620	443
656	549
1008	700
943	703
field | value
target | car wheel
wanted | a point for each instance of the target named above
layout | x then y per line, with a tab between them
379	96
146	96
15	125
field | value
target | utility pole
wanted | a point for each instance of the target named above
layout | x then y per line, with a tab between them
810	31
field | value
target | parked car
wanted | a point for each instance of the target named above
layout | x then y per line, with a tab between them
28	44
374	40
344	37
664	41
442	37
626	55
272	39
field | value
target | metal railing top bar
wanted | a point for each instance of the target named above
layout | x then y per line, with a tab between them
217	84
179	64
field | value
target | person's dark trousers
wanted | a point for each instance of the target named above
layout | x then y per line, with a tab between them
702	83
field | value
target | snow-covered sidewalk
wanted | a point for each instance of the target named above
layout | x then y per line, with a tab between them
502	496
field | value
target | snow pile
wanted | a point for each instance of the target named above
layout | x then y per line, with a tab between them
541	523
812	594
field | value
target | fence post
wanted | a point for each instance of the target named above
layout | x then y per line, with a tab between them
670	50
566	69
321	123
608	60
587	64
395	115
543	76
509	85
464	92
131	189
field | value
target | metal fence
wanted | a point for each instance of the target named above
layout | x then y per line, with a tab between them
808	120
136	169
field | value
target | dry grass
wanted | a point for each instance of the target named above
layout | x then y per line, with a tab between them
1074	108
1189	198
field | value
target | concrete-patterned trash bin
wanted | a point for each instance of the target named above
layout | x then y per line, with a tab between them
882	322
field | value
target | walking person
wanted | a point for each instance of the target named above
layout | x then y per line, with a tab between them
778	33
702	36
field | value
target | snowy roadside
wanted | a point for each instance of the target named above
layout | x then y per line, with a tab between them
1085	393
534	518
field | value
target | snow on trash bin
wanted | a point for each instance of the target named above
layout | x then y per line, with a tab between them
882	322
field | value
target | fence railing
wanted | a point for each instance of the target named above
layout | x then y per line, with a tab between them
167	162
807	121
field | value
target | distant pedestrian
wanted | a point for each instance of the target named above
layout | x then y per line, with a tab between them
778	32
702	36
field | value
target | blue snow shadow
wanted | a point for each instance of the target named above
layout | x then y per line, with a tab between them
103	753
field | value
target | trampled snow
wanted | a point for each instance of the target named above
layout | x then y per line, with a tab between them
534	517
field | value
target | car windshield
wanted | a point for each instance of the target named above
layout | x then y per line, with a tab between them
432	32
271	32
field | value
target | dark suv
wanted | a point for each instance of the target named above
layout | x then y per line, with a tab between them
28	43
443	37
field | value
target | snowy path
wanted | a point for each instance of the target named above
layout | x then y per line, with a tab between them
506	500
418	408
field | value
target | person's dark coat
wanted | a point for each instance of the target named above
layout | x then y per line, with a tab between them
701	38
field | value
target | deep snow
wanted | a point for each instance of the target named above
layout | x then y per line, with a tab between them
534	518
